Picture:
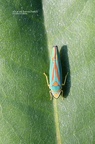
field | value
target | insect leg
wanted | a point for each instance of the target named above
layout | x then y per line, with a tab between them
50	95
62	94
65	79
46	79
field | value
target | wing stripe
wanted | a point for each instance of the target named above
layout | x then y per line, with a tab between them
55	67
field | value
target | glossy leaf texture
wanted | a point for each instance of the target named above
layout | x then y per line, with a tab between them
70	24
28	30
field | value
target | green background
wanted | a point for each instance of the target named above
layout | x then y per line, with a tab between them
27	116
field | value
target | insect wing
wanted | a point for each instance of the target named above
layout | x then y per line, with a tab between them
55	70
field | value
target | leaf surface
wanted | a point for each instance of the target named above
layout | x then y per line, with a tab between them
28	30
70	24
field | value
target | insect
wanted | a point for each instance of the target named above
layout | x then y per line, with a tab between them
55	75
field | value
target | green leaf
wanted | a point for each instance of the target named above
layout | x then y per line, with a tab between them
71	25
26	113
28	30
